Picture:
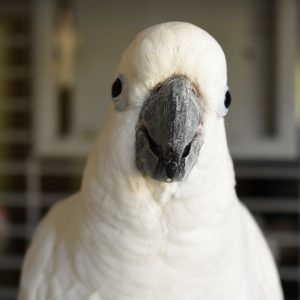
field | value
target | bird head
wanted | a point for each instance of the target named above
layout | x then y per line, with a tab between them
173	78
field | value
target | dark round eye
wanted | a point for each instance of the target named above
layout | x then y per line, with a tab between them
116	88
227	99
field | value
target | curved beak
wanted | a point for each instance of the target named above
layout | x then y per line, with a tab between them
169	136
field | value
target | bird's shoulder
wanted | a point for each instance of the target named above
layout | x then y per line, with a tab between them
42	257
261	259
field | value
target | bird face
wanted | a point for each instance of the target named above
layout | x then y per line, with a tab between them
174	76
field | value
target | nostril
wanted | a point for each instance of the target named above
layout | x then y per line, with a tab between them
194	90
158	87
187	150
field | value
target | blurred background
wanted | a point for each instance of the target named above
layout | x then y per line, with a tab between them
57	62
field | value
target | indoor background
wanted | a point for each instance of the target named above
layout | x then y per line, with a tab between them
57	62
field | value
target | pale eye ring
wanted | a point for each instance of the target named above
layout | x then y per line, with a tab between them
119	93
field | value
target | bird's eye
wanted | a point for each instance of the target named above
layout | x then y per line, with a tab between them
118	93
224	105
227	101
116	88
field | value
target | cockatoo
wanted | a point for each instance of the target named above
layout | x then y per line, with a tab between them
157	216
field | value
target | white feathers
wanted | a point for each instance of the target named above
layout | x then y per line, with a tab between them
174	48
126	237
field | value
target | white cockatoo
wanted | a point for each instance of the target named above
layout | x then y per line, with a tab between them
157	216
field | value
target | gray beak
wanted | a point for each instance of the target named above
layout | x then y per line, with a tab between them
168	134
